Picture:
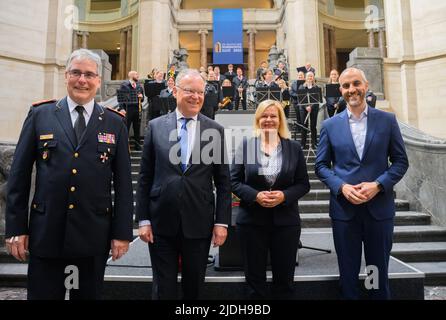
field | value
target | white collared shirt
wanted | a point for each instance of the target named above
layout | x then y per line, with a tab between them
88	110
191	129
358	128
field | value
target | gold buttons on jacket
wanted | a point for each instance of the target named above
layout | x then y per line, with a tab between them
76	155
34	206
74	171
71	206
72	189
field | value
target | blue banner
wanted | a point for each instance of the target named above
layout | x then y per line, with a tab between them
228	36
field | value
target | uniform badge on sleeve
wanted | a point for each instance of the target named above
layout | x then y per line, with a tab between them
108	138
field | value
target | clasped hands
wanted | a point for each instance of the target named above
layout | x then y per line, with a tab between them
360	193
270	199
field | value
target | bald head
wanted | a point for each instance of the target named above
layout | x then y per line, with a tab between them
353	86
354	71
133	75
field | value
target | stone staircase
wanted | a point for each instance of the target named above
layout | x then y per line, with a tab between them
416	240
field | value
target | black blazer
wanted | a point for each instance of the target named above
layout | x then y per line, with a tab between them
246	183
126	85
170	198
48	140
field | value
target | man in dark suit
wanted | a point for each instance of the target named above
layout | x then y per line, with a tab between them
309	68
78	147
353	161
230	74
133	111
240	84
176	210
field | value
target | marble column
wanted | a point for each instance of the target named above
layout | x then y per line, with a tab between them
85	36
252	53
333	54
122	54
75	43
371	33
128	58
327	50
203	51
382	42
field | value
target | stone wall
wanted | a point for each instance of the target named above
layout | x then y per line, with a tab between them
424	184
6	154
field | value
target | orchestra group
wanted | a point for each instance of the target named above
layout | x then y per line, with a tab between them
229	91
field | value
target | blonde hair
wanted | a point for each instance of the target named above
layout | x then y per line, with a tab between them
283	130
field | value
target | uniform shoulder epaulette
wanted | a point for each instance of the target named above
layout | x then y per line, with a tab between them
41	102
115	111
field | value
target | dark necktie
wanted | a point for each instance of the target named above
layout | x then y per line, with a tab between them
79	124
184	142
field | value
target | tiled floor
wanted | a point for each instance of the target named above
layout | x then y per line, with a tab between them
430	293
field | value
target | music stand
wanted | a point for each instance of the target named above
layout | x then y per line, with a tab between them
153	89
302	69
308	97
263	94
228	92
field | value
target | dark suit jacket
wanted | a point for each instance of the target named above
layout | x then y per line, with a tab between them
236	83
48	140
247	183
171	199
126	85
338	162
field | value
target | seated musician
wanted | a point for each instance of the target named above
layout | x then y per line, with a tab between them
226	102
269	80
313	109
285	96
281	72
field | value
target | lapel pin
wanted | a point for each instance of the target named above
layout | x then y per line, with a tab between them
100	118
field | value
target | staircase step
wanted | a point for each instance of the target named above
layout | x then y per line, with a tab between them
420	251
420	233
435	272
322	206
402	218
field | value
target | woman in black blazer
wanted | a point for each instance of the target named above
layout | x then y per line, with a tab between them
269	175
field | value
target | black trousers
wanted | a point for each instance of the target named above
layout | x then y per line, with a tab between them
243	102
313	122
46	278
281	243
132	117
165	253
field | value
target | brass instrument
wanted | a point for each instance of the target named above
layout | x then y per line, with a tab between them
240	94
224	102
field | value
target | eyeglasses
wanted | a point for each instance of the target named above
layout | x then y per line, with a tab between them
191	92
76	74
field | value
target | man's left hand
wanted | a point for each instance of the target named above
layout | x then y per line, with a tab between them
219	235
119	248
368	189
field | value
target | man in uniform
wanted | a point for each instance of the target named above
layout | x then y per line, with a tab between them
133	111
78	148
